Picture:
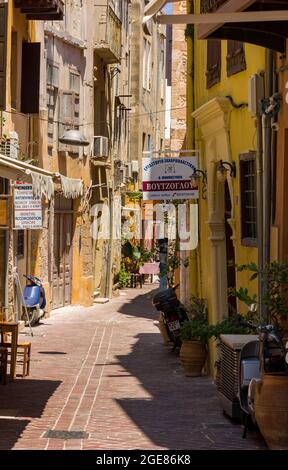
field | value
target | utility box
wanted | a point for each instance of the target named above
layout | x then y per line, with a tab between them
134	166
100	147
255	94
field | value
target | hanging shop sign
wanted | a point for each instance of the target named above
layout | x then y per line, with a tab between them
27	208
169	178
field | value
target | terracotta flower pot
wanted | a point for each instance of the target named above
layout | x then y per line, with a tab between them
271	410
193	357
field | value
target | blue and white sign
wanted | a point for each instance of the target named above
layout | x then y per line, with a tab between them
27	208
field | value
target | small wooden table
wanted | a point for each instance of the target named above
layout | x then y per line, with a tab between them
10	327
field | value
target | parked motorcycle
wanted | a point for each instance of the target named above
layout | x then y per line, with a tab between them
267	355
173	313
34	300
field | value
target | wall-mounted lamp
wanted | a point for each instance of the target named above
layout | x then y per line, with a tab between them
196	176
74	137
222	171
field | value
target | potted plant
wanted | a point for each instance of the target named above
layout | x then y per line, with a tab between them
194	334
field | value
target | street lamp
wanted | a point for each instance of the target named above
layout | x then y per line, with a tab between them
74	137
196	176
222	171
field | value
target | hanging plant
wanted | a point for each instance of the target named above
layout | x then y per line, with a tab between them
134	195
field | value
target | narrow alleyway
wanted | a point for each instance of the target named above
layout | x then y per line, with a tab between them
104	371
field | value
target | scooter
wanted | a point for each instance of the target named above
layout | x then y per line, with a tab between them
173	313
34	299
267	355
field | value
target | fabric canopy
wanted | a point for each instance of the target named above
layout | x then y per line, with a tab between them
41	179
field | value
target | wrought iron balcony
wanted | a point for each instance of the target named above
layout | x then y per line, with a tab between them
270	34
41	9
108	35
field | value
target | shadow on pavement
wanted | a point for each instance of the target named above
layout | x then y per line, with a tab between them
141	306
10	431
179	412
22	398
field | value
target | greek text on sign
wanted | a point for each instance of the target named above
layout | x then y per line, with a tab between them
168	178
27	208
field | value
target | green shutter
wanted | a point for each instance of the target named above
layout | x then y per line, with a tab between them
3	53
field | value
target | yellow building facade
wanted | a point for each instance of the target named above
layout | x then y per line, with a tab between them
222	127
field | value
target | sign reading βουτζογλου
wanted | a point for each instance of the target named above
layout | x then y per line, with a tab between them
168	178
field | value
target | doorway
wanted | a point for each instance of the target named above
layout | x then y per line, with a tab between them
230	254
62	252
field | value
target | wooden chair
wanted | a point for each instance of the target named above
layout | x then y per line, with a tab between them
23	356
3	364
10	328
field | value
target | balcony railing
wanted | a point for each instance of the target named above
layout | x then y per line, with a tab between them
41	9
108	36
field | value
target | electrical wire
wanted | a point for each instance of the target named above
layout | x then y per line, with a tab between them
94	122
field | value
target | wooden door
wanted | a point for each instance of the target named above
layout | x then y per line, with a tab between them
62	256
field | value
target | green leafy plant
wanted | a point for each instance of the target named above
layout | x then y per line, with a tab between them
134	195
123	278
275	276
229	326
134	256
197	327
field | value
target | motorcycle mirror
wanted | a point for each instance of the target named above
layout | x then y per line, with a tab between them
253	308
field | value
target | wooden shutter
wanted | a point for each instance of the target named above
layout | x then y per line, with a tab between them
213	72
30	79
235	58
68	117
3	52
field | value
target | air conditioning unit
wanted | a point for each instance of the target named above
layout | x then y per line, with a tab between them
100	147
134	166
128	170
228	372
10	146
255	93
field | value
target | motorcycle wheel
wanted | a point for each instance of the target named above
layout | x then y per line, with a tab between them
33	317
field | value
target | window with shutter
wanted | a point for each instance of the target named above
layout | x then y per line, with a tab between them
213	71
3	51
248	199
52	99
68	117
30	79
235	58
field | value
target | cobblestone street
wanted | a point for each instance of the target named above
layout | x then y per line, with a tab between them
104	371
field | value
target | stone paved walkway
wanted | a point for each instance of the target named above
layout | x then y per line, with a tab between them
105	371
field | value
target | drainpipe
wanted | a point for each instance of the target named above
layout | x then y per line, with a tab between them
259	171
6	295
267	158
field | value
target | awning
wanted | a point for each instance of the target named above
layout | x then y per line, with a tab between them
42	179
264	23
16	169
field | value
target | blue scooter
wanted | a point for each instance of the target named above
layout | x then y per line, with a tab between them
34	299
